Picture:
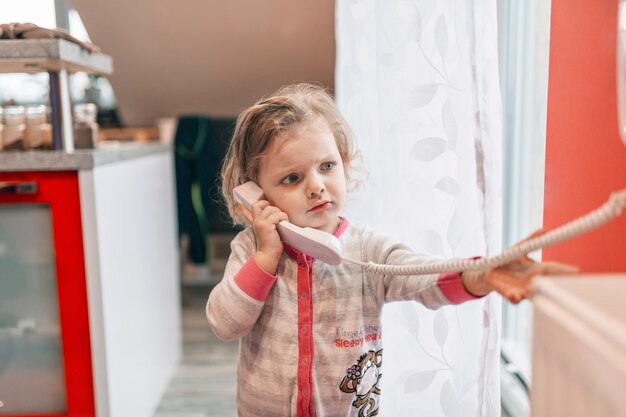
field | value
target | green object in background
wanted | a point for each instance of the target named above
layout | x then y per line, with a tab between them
198	208
200	144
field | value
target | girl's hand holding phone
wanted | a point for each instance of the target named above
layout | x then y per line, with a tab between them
264	218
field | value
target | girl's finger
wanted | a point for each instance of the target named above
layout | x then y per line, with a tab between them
510	287
277	217
258	207
246	213
267	212
557	268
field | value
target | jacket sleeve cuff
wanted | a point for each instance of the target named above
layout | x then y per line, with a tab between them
451	285
254	281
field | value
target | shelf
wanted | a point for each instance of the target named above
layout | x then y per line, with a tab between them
79	159
38	55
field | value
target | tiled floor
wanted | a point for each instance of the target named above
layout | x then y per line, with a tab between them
204	383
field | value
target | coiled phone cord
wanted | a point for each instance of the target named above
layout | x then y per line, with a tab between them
608	211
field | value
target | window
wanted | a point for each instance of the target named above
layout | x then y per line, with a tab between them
26	88
523	43
39	12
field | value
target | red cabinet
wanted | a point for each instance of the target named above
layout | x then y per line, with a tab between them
45	359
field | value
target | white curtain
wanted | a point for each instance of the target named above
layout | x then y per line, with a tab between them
418	83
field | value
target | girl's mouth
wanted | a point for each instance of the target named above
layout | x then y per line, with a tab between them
320	207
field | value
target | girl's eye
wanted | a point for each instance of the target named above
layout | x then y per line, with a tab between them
328	165
290	179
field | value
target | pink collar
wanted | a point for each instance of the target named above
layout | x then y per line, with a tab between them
297	255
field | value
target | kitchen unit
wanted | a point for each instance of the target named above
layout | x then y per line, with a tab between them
89	280
89	289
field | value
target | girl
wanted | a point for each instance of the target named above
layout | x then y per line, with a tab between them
310	333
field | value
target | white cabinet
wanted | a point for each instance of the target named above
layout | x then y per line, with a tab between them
579	346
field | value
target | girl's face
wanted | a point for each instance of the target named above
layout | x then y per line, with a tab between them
303	175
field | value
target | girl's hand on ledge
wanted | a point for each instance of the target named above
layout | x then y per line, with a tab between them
514	280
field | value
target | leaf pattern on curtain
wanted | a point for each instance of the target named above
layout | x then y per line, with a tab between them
417	81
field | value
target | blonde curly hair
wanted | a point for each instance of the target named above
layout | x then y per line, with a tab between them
268	118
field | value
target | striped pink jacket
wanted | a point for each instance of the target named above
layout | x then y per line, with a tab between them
310	336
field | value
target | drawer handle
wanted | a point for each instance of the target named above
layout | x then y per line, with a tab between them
18	187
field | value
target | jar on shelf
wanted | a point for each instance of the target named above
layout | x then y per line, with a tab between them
85	126
38	132
13	132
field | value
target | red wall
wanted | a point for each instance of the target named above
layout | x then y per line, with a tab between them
585	158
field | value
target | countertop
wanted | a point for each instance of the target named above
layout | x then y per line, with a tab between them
80	159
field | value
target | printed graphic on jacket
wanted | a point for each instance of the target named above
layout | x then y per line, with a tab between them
362	379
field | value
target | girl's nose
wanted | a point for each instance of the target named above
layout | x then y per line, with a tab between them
315	187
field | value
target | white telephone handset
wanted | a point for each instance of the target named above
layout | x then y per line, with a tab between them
327	248
316	243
